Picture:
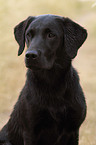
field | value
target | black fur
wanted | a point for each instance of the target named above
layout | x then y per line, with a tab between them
51	106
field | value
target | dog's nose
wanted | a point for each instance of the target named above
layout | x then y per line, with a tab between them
32	54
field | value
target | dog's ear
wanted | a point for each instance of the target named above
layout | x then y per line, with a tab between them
74	36
19	32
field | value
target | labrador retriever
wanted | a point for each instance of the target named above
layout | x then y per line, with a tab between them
51	106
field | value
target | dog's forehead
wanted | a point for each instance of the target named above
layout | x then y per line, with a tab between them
47	17
45	21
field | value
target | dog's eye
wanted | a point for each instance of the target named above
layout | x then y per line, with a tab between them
50	35
30	34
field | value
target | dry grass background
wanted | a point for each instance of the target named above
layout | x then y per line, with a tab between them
12	67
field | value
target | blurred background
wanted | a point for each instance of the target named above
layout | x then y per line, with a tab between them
12	66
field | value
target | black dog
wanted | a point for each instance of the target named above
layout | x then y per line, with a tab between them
51	106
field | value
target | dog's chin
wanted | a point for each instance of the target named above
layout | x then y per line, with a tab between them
38	68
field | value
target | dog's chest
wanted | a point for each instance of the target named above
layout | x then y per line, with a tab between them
46	117
46	123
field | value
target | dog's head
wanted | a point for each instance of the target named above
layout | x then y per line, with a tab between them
47	37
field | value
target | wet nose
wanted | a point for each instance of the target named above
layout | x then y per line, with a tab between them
32	54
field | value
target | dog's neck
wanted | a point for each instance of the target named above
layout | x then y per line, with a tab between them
47	84
48	77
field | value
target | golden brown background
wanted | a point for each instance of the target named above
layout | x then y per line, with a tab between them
12	67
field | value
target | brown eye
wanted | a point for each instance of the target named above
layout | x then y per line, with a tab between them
50	35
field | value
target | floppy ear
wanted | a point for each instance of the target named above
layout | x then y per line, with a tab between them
75	35
19	32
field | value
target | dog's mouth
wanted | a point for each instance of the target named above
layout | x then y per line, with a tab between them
33	67
41	64
38	67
